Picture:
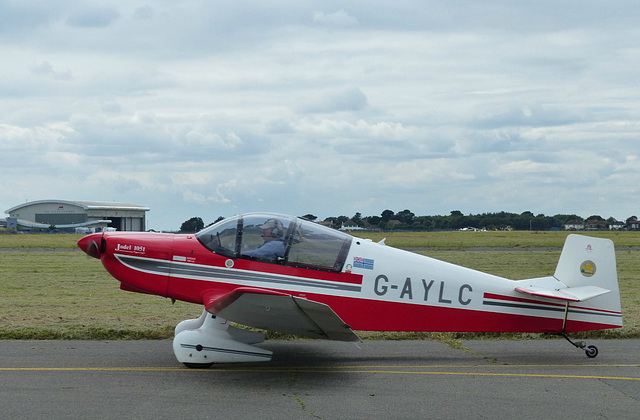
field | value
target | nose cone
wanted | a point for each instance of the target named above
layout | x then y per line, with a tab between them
90	244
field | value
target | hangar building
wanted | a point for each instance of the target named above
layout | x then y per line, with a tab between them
78	214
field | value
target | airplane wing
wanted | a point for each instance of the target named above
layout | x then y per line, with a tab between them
276	311
572	294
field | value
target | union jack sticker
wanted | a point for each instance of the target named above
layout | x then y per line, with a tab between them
366	263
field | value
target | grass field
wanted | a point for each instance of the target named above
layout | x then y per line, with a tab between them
502	239
49	289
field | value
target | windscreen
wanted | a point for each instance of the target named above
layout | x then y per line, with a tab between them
221	237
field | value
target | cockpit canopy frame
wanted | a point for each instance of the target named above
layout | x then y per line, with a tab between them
305	244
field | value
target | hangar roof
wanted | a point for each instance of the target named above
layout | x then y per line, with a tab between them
87	205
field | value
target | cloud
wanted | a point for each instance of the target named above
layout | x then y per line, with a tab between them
46	69
18	18
208	108
340	18
144	12
347	99
92	16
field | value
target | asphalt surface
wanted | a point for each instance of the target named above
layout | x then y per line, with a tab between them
541	379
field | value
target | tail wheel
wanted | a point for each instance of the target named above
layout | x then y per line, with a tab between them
591	351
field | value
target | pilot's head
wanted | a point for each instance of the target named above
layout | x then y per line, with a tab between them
272	228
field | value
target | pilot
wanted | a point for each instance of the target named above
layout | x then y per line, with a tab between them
273	236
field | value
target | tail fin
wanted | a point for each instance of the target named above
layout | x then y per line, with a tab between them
586	274
588	261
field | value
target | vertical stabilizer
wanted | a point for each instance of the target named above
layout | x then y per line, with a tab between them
585	262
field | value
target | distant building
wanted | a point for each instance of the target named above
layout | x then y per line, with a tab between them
616	225
574	225
350	225
596	225
63	214
326	223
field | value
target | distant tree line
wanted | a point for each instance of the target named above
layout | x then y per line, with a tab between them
407	220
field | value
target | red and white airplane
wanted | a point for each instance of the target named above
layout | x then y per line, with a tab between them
282	273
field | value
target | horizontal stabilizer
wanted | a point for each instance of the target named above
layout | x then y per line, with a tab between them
276	311
572	294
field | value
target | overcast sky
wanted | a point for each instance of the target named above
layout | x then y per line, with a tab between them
210	108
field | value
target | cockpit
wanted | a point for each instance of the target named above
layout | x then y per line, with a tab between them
278	239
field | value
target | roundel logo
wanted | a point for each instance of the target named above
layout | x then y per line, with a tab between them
588	268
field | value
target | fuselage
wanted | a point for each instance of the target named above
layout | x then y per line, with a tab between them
371	286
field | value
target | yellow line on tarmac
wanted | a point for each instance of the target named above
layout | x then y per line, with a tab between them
375	369
495	365
528	375
94	369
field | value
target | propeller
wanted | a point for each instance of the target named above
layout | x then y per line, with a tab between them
90	245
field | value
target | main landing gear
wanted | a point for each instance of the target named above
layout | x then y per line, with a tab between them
199	343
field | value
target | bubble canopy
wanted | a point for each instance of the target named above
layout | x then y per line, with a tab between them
278	239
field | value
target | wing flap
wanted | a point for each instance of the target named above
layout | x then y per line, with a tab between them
276	311
572	294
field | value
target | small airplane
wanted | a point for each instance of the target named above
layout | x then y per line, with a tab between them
287	274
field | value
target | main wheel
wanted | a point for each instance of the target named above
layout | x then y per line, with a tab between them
591	351
203	365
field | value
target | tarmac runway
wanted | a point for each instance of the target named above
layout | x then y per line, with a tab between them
497	379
